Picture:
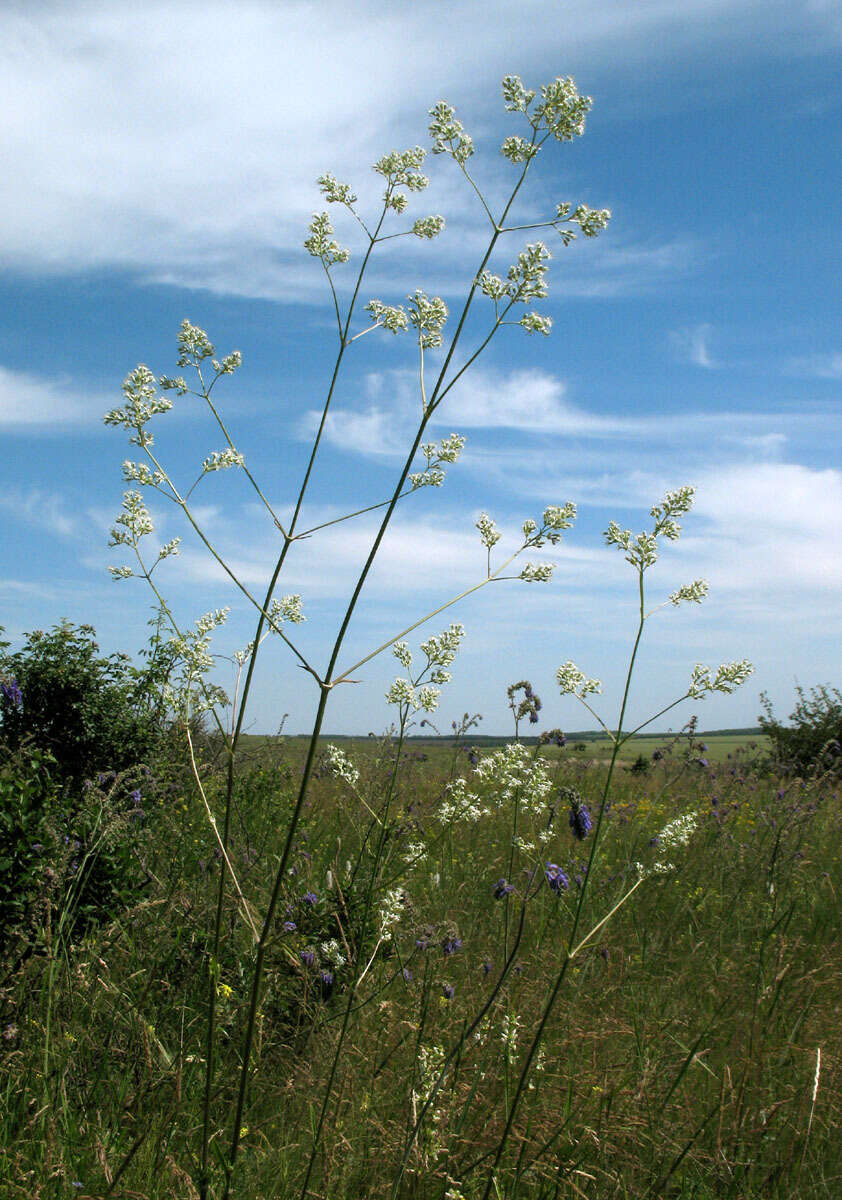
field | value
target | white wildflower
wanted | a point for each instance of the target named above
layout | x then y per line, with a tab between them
574	682
341	766
220	460
694	592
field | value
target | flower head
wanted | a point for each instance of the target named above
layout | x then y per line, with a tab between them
556	878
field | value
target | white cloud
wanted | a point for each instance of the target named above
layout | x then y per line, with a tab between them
182	140
692	345
817	366
45	510
29	400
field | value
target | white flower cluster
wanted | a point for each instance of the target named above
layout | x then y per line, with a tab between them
537	572
388	316
512	771
220	460
341	766
428	315
391	910
321	243
415	853
192	651
441	649
509	1029
515	95
334	191
229	364
460	804
695	592
332	952
674	836
590	220
677	834
288	608
518	150
448	133
561	110
133	523
194	345
527	276
139	473
556	518
402	168
642	551
507	775
727	679
142	403
489	533
439	652
533	322
526	281
428	227
447	451
430	1063
573	682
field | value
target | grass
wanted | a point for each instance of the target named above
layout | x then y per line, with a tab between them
679	1061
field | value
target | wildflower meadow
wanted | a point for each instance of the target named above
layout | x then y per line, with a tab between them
425	964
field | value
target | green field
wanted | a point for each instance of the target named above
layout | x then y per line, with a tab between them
678	1056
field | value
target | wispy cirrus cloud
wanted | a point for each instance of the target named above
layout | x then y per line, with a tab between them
30	401
816	366
46	510
692	345
96	154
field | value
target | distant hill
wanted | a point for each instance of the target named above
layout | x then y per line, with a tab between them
583	735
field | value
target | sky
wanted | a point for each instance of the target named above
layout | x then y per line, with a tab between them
160	163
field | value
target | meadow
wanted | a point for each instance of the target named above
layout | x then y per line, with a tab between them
681	1058
475	969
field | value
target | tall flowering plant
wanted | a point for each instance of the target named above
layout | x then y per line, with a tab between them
547	119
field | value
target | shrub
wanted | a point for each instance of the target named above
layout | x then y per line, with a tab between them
812	743
91	714
27	839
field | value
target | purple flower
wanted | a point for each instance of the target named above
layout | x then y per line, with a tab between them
451	944
657	755
407	974
326	980
12	694
556	878
310	898
448	991
486	968
702	747
136	797
580	821
289	927
308	957
501	889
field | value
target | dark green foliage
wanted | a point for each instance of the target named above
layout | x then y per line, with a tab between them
640	765
27	839
75	801
90	713
812	743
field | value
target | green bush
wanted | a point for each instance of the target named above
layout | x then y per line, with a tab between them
28	845
91	714
77	732
812	743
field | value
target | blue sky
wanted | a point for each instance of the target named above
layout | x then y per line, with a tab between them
161	163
